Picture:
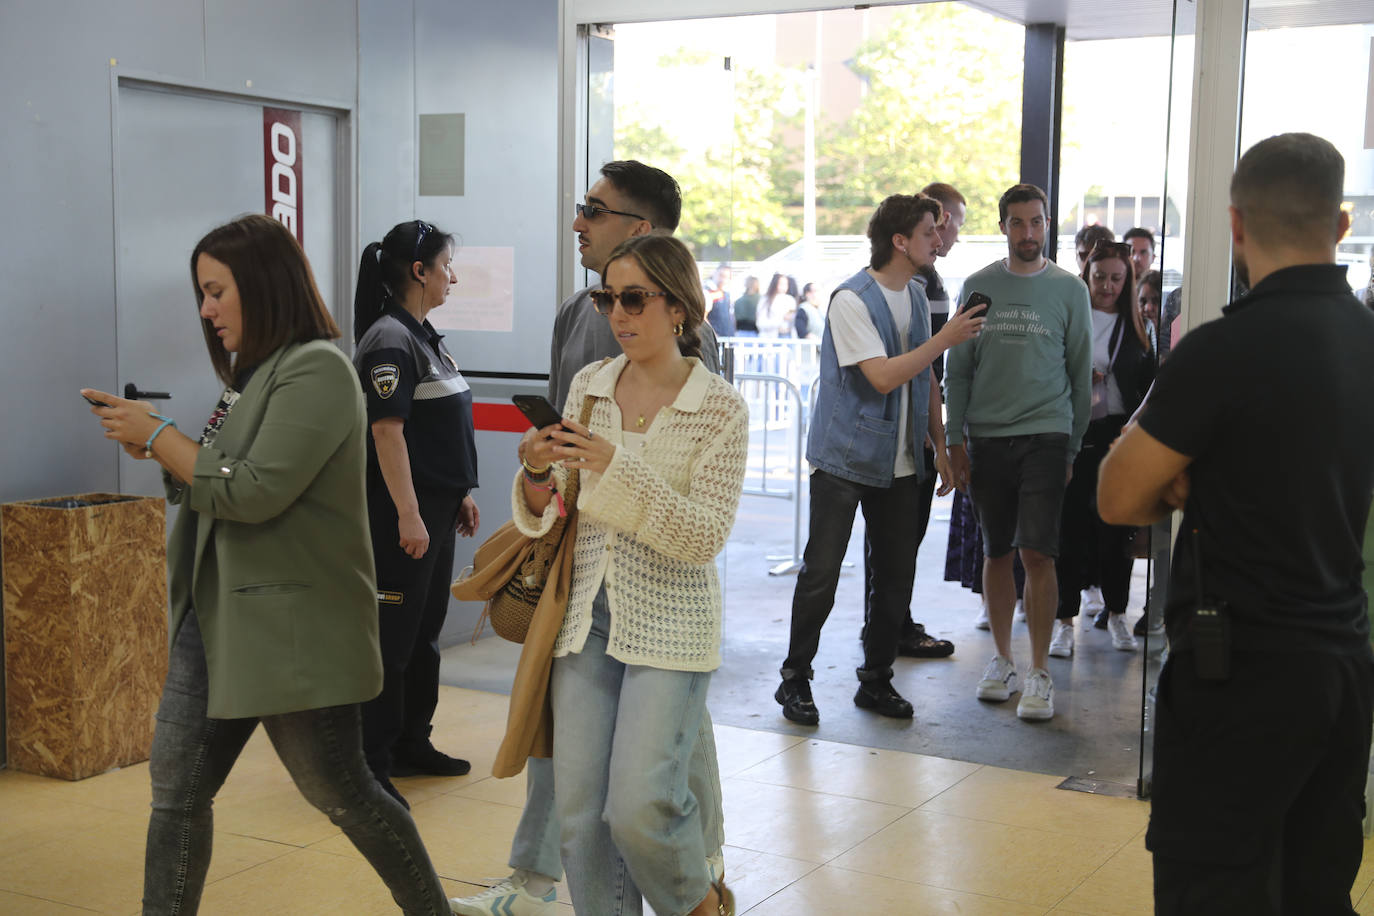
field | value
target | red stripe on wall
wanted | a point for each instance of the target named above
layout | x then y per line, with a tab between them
498	418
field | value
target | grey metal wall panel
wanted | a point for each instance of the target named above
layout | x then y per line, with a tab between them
386	117
304	48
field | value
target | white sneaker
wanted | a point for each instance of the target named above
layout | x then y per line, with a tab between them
1037	700
1061	644
982	621
1122	637
1092	600
999	680
1019	615
509	898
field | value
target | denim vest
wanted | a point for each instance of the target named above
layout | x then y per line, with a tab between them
854	428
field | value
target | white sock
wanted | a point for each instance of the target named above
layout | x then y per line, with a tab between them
537	884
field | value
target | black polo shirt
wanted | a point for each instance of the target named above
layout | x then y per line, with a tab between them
1274	404
406	372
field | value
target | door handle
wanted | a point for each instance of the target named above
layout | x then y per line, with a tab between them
132	393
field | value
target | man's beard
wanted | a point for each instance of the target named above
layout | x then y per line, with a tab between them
1033	256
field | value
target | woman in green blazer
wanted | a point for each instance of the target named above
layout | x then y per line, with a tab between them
273	605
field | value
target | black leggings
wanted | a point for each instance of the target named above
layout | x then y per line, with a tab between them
1084	538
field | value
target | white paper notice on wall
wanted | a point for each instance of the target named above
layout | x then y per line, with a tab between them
484	299
1369	103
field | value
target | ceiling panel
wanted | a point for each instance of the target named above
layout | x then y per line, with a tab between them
1090	20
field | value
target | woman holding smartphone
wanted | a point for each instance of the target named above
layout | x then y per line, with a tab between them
421	469
662	466
273	605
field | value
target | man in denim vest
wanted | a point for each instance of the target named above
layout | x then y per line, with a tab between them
876	404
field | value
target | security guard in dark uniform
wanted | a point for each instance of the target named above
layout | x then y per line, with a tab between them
422	463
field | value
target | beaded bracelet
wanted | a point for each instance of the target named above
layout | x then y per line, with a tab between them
166	422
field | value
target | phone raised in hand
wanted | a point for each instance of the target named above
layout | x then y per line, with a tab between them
537	409
977	299
93	402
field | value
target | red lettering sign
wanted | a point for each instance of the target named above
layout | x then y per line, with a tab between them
281	163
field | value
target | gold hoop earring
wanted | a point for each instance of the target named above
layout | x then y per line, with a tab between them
678	329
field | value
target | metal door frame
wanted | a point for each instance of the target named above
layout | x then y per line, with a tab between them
345	190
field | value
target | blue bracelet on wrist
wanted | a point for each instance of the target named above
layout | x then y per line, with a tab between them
166	422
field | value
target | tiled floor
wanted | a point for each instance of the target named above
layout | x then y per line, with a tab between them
814	827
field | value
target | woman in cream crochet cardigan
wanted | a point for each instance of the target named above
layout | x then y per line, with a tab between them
662	465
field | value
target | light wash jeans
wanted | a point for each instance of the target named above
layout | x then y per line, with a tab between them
322	750
536	846
624	737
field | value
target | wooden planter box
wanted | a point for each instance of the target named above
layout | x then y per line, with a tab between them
85	603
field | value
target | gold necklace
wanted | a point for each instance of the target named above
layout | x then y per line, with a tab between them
640	422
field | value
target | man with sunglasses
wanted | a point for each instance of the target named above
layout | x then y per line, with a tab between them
877	402
629	199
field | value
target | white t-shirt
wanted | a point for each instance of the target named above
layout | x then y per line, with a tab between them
856	339
770	315
1103	324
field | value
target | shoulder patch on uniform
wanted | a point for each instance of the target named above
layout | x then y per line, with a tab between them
384	379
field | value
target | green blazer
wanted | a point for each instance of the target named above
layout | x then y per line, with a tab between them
271	546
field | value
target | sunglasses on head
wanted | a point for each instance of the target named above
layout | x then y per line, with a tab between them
422	229
1106	249
631	300
592	211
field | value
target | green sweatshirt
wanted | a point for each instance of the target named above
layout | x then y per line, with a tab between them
1030	370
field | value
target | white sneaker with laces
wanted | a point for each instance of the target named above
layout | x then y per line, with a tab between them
1092	600
1061	644
1037	699
982	621
1122	637
509	898
1019	615
999	680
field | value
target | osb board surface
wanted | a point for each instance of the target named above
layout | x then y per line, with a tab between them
85	633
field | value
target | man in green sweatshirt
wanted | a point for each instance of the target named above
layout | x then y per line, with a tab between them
1019	399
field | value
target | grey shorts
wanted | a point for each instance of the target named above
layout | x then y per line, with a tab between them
1017	486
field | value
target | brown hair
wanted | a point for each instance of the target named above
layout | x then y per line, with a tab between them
668	263
1289	190
897	215
1125	300
278	298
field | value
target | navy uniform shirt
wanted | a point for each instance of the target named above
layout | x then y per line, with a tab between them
407	373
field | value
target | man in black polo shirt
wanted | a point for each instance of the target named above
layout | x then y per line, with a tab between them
1261	428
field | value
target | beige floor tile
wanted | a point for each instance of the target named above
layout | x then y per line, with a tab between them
509	791
738	749
1031	800
890	777
1123	886
756	876
797	823
304	881
23	905
979	857
835	890
127	790
1365	904
1364	878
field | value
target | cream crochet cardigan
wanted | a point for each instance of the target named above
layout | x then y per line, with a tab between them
650	528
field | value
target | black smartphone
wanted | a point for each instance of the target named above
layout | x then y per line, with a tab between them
537	409
976	299
93	402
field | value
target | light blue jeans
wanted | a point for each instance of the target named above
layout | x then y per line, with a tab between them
536	846
624	736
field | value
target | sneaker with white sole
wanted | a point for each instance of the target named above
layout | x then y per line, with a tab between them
982	622
999	680
1019	615
1093	600
1037	699
509	898
1061	644
1122	637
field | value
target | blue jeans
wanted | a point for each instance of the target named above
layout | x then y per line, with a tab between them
322	749
537	837
892	519
624	736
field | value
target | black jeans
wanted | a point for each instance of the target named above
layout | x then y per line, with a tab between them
1086	543
891	520
409	624
925	495
1259	784
322	749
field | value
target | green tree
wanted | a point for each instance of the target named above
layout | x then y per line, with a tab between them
943	103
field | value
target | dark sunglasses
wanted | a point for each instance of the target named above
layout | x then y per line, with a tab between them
631	300
592	211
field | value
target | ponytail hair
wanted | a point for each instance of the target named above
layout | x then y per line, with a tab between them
384	273
668	263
